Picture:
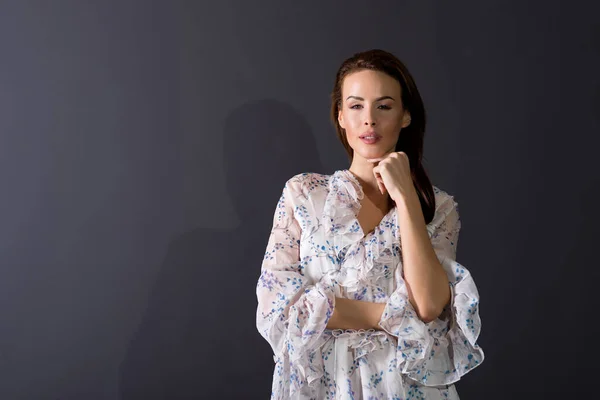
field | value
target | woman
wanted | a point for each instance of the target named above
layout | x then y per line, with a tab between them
360	294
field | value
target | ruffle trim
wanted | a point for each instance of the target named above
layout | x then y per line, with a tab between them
305	338
362	341
442	351
344	236
444	203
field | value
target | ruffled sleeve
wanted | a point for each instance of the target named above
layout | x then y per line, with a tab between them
293	312
442	351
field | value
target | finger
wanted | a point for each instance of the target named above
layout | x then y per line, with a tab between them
381	187
381	184
377	176
376	173
379	180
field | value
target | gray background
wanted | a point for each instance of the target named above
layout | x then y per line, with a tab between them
144	145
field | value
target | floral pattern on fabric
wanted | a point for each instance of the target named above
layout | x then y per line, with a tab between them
316	252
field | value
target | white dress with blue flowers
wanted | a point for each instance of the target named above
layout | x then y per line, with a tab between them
317	251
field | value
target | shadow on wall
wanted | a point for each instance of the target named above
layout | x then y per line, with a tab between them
198	337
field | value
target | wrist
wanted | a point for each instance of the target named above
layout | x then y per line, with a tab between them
376	312
406	198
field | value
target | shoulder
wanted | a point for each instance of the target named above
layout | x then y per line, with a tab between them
303	184
442	197
446	207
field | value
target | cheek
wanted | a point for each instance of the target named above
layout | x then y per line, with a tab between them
352	121
393	126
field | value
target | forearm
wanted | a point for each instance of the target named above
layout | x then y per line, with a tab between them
355	314
425	278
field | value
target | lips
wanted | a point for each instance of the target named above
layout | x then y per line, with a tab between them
370	135
370	138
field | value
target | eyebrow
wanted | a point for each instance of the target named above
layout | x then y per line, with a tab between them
377	99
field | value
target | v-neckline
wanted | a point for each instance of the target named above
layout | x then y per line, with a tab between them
351	176
384	218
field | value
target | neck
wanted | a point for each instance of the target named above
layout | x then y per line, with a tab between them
363	171
364	175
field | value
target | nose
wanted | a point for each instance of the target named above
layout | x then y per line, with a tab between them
370	119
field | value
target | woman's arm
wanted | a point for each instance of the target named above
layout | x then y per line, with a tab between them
426	281
292	310
355	314
441	351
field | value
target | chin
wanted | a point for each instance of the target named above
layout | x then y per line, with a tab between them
367	151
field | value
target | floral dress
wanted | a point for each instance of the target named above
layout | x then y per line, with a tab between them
317	251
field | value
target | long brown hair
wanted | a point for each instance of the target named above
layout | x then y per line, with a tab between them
410	140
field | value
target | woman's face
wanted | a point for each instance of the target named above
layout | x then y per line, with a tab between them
372	106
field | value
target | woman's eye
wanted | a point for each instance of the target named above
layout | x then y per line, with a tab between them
383	106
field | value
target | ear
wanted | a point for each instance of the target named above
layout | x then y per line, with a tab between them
406	119
341	119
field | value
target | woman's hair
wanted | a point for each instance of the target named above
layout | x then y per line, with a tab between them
410	140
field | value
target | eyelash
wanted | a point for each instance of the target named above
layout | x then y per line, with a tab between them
385	107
